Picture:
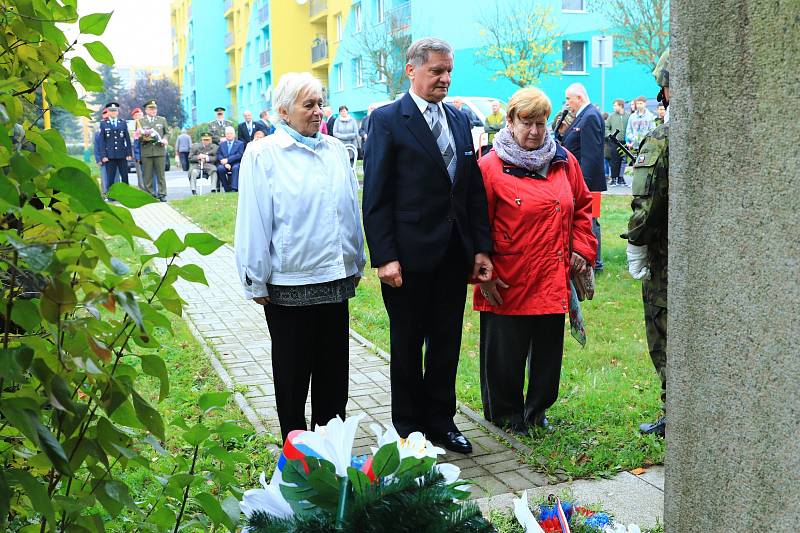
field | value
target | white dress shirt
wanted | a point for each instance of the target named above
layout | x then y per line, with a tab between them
298	220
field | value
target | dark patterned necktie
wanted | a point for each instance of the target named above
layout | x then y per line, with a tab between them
442	140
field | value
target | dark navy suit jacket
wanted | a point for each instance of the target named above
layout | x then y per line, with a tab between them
235	154
411	208
584	139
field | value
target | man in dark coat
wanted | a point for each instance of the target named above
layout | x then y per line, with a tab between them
248	128
585	139
427	227
115	146
229	155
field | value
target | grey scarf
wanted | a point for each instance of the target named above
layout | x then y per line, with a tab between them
510	152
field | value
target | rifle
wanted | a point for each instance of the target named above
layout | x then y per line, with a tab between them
612	137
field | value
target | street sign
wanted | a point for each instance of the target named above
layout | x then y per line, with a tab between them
602	51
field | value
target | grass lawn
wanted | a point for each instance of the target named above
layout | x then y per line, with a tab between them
607	388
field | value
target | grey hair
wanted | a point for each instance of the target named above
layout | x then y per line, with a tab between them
417	53
229	128
290	85
578	89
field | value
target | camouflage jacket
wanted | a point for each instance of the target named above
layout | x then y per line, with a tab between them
648	223
217	131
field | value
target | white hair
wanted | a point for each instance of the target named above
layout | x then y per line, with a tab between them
577	89
417	53
229	128
290	85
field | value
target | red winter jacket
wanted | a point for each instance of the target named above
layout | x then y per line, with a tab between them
531	219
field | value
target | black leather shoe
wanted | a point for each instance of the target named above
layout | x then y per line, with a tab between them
658	427
452	440
544	423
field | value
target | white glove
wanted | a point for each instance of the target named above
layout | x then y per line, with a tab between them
637	262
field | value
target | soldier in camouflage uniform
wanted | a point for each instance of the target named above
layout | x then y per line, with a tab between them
647	237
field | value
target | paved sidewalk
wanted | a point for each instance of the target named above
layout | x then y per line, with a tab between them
236	332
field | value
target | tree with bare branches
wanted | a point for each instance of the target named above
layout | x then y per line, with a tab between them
519	42
640	28
382	49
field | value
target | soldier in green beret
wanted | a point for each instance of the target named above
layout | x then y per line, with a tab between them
647	237
217	126
153	131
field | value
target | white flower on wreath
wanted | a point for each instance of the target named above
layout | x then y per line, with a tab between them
334	441
269	499
415	445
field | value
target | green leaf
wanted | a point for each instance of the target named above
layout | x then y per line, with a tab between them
196	434
94	24
101	54
128	302
231	507
169	244
326	485
386	460
163	517
79	186
213	400
415	467
152	441
119	268
192	273
358	480
61	395
5	499
37	257
52	448
14	362
25	314
90	79
36	492
153	365
148	416
229	430
204	243
213	510
130	197
294	472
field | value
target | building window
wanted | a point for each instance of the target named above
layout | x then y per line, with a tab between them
382	67
358	71
357	17
338	26
380	11
573	5
338	73
574	56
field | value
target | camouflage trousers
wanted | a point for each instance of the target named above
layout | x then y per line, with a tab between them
655	326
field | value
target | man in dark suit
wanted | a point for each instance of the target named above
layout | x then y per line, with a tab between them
426	222
585	139
115	146
229	155
248	128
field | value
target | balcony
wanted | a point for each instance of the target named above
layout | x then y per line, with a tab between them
194	115
191	79
227	6
229	76
228	40
317	8
399	18
263	14
265	60
319	50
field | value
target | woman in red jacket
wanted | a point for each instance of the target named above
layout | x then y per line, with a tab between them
540	216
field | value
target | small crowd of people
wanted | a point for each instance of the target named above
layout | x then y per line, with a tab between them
518	223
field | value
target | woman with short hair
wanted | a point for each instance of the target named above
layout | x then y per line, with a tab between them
300	252
541	220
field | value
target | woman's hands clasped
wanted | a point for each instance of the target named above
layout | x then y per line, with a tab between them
578	264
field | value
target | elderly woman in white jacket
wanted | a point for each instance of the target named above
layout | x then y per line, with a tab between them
300	252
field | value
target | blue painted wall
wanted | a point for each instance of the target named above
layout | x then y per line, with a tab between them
254	80
206	57
456	21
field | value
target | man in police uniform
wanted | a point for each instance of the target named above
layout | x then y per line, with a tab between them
154	150
647	237
203	162
217	126
115	146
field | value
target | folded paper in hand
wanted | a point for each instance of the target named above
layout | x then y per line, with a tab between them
584	284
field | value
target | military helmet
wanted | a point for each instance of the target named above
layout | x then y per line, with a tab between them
661	72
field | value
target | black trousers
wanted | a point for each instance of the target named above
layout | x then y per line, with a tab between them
428	309
114	167
507	343
309	344
184	158
615	162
